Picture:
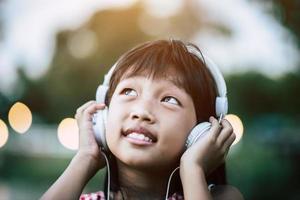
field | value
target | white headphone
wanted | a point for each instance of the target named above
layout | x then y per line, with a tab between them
100	118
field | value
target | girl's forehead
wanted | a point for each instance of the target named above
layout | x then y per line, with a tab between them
170	76
163	80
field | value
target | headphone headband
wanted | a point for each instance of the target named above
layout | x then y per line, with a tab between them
221	100
107	76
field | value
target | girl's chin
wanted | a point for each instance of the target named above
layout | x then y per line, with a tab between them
146	163
145	156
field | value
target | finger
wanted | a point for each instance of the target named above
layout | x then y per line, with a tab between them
92	109
226	152
84	106
225	133
229	141
215	127
227	144
81	108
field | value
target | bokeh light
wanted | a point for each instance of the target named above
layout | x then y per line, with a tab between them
20	117
237	126
3	133
68	133
82	44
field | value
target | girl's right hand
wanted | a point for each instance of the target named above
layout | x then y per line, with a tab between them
88	146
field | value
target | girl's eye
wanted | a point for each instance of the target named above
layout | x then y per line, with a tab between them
129	92
171	100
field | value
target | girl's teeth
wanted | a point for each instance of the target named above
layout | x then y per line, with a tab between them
139	137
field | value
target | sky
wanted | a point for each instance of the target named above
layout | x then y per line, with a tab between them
258	41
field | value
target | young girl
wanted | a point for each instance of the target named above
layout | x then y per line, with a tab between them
158	92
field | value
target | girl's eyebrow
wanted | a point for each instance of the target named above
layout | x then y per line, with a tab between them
175	81
174	88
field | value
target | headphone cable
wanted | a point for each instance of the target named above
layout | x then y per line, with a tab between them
108	175
169	182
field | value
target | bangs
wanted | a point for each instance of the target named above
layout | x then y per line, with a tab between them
166	72
159	62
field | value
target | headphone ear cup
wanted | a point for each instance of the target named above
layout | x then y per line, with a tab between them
196	133
99	127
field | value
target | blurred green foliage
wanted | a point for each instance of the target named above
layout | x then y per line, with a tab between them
287	12
252	94
34	175
266	162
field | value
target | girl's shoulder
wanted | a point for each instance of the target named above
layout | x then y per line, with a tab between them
225	192
93	196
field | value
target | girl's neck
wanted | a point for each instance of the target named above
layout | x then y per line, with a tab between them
142	184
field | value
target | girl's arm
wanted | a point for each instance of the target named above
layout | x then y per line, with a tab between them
71	183
85	163
193	182
203	157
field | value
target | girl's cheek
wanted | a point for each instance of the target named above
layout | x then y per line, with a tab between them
111	132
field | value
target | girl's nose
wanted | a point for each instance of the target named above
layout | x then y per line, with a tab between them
142	112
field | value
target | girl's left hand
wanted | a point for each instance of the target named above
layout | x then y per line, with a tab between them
210	150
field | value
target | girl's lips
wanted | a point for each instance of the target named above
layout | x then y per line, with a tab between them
134	132
137	141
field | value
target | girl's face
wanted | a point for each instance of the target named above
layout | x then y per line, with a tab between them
148	122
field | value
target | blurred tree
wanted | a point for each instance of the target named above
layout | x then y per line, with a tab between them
1	19
73	76
4	106
32	93
287	12
253	94
83	56
252	90
289	87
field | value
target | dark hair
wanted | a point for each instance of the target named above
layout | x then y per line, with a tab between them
159	59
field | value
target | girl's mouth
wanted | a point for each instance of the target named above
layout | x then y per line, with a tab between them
139	136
